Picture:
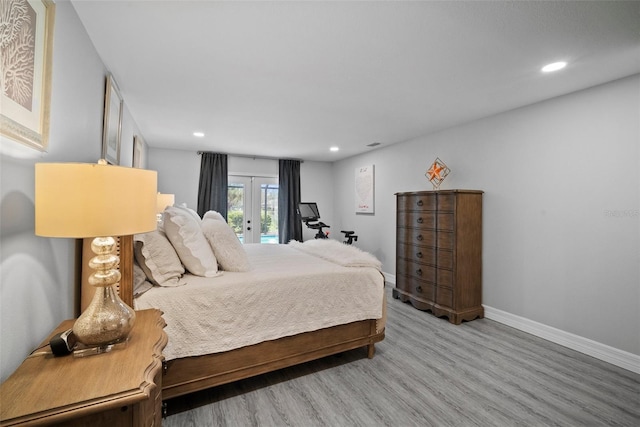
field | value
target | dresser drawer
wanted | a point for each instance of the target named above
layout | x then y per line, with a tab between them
424	290
418	288
445	259
420	254
422	237
444	277
444	297
445	221
410	202
446	202
416	236
419	271
419	219
444	240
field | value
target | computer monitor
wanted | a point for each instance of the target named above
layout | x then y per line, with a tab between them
309	211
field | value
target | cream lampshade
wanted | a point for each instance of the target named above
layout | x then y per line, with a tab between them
164	200
81	200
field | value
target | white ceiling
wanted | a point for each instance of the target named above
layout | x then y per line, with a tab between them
290	79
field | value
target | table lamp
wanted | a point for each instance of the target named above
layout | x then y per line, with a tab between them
164	200
80	200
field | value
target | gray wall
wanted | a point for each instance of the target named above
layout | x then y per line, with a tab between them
562	189
38	275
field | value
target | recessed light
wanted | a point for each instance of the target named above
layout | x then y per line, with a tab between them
198	134
334	149
554	67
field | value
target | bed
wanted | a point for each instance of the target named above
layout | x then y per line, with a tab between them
296	303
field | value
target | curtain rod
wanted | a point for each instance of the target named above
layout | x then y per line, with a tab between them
248	156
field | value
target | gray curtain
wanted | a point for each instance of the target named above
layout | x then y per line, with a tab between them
289	223
212	189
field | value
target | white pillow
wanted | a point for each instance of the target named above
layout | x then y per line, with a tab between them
193	213
225	244
184	233
214	215
158	259
140	282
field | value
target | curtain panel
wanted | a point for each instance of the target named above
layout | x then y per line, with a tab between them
213	185
289	223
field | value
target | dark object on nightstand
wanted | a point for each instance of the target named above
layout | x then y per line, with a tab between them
63	343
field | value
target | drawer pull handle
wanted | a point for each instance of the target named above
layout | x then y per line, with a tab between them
419	272
420	220
419	237
420	203
419	289
419	255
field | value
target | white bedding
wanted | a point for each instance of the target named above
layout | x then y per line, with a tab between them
289	290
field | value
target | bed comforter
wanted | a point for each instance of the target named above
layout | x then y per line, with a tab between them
290	289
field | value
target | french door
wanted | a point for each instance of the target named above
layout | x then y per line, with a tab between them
253	208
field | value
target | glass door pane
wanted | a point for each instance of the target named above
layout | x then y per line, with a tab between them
253	208
267	209
238	203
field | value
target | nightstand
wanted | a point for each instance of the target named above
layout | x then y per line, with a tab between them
119	388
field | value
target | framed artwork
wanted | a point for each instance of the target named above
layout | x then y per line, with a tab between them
27	49
138	152
112	127
365	189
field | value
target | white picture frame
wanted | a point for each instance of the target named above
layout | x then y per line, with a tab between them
365	189
26	72
138	159
112	127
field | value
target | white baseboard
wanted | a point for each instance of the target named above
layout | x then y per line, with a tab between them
586	346
620	358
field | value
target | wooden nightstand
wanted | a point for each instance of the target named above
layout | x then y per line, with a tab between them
119	388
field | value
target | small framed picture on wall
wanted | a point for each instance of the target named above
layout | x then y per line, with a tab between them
365	189
112	130
27	52
138	152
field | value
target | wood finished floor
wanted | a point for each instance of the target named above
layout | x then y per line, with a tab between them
428	372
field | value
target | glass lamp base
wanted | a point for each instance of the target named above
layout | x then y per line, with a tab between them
107	320
84	351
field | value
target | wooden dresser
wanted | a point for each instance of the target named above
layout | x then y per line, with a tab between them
118	388
439	252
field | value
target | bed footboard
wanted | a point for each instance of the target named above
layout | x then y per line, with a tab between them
190	374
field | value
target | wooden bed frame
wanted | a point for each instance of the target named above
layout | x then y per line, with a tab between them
189	374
